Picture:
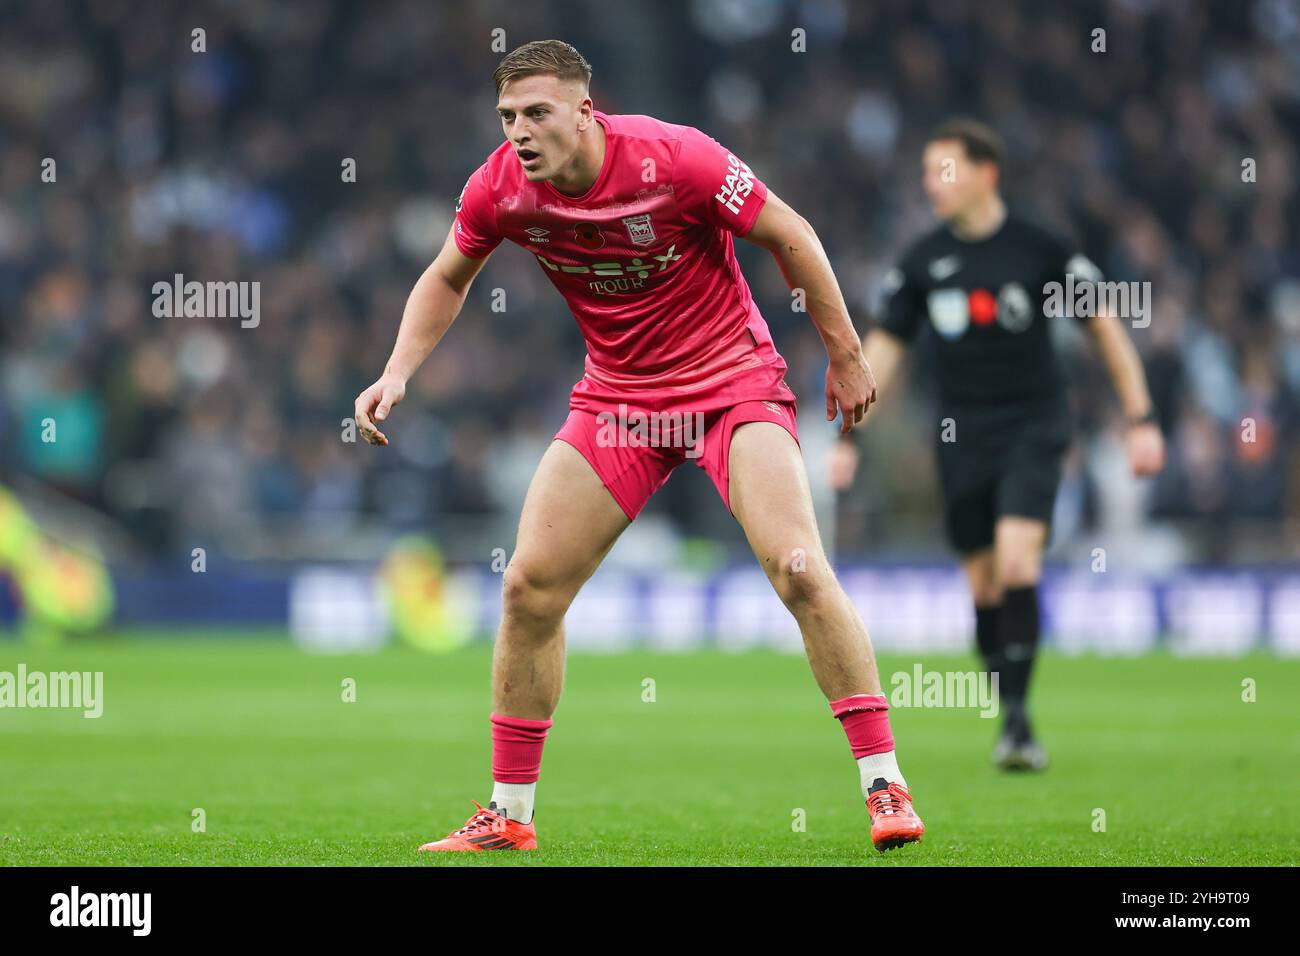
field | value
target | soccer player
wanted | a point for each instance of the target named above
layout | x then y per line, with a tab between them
980	286
632	219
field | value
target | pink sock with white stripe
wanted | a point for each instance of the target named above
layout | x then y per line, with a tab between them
865	718
516	763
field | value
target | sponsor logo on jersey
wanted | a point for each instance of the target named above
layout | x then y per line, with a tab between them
949	312
639	229
537	234
737	186
1015	311
616	276
941	269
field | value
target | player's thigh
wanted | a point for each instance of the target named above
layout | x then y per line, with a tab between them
981	569
568	523
1026	499
1019	544
769	495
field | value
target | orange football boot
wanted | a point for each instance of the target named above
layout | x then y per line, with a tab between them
488	830
893	821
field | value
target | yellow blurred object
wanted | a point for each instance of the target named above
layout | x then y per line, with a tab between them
63	591
18	532
426	610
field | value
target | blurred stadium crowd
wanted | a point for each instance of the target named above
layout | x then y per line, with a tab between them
226	165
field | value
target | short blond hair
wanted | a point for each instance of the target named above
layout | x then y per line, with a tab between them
542	57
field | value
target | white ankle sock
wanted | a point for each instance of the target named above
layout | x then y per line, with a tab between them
879	765
516	799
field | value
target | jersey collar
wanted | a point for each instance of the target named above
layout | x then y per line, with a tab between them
1006	217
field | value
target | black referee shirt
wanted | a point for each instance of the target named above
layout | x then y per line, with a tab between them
982	305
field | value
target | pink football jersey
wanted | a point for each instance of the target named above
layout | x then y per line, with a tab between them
644	258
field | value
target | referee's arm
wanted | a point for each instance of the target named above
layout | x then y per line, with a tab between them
1146	444
883	347
903	309
884	352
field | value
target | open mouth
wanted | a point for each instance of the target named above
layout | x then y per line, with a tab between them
528	157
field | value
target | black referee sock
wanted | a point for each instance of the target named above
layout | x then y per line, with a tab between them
987	638
1018	632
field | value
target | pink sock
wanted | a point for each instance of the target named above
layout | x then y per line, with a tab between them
865	718
517	748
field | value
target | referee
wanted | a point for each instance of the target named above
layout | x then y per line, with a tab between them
978	287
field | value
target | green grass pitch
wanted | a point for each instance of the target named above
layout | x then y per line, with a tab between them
714	771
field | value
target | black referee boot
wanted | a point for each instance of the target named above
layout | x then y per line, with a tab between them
1017	749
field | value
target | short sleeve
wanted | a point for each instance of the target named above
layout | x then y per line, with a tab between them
904	303
1074	270
715	186
476	224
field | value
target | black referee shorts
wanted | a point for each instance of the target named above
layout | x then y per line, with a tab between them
986	476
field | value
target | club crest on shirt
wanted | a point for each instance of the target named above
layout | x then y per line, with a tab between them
639	229
949	312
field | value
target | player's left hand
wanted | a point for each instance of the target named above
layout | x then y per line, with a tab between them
1146	449
850	389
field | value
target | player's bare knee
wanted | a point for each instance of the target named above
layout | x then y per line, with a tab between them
982	577
1017	571
532	594
985	585
801	580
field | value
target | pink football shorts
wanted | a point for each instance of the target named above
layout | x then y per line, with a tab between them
634	450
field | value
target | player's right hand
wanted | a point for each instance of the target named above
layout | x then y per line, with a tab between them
1146	449
374	404
850	389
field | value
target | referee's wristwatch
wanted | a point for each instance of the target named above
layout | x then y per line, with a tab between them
1150	418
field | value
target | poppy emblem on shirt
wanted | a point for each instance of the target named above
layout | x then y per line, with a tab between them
639	229
588	235
983	307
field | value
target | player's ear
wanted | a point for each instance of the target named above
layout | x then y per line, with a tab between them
586	110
